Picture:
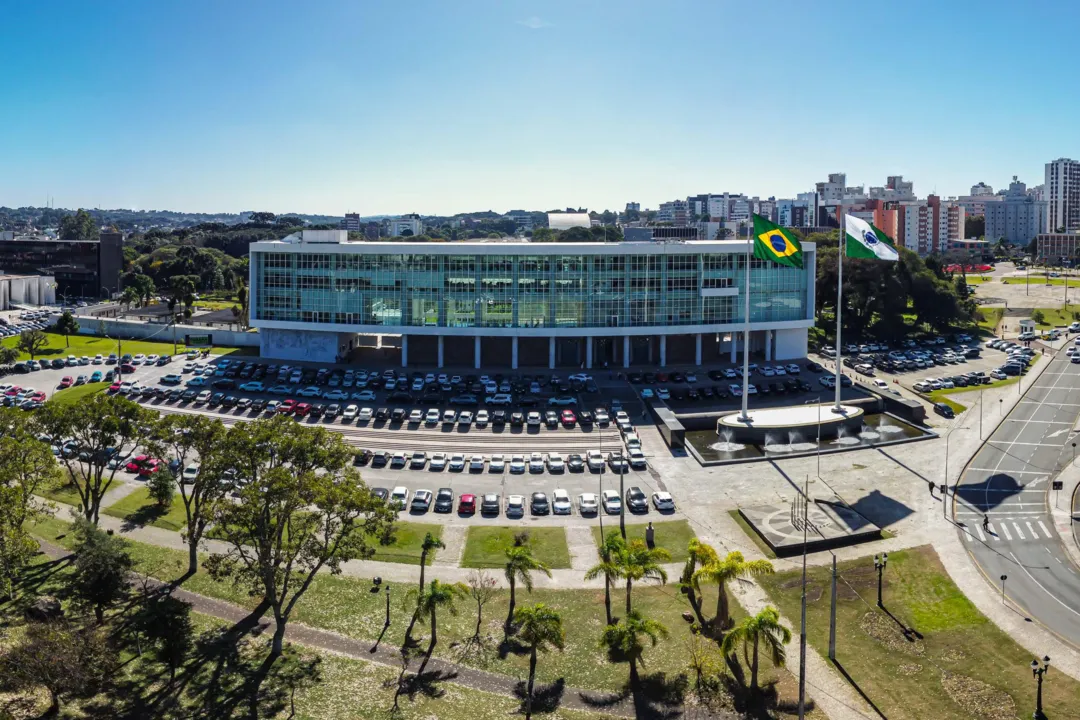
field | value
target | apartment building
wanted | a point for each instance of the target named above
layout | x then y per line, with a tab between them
1062	188
929	226
1017	216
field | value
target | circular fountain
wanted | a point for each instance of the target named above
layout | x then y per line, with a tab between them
787	429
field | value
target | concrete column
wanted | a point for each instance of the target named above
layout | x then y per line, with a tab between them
626	351
768	346
697	349
588	352
404	351
734	344
441	354
514	352
476	352
551	352
663	351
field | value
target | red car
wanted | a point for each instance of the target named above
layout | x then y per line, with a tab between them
568	418
150	467
301	409
287	406
12	392
661	377
66	382
115	387
127	369
467	504
136	463
38	396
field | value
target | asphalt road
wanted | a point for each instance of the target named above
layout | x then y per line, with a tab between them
1009	481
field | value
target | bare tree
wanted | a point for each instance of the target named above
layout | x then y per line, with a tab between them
482	589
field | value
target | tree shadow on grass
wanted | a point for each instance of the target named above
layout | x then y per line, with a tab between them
763	704
33	582
546	697
145	515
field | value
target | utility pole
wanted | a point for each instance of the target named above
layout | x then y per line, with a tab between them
832	614
802	626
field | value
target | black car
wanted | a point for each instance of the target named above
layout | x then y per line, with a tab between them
382	413
188	395
634	377
466	400
489	504
216	399
398	415
715	375
517	419
944	410
317	410
540	504
444	500
529	401
576	463
381	493
636	500
585	417
362	457
174	394
551	419
678	377
229	401
814	367
380	458
498	417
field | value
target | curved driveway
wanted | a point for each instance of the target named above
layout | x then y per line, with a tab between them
1009	481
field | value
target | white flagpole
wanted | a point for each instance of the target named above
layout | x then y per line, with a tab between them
839	304
746	327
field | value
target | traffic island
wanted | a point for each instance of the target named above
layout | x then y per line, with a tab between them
831	525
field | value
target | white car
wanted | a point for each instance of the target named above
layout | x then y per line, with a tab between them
438	462
663	501
560	502
465	418
476	463
310	392
363	396
364	415
595	459
793	369
663	393
611	502
190	473
457	462
253	386
637	458
621	416
349	413
533	418
497	463
399	497
432	417
418	460
336	395
271	407
202	397
767	372
97	360
137	360
499	399
647	394
416	416
601	416
632	440
536	463
588	504
517	464
515	506
482	418
880	384
555	463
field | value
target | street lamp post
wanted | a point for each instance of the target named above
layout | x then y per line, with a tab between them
387	605
879	564
1038	672
1003	579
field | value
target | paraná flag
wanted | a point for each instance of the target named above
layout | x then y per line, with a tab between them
866	241
772	242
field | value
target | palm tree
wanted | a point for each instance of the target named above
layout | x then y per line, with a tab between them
765	628
626	637
540	626
638	562
702	554
438	595
609	567
520	565
721	572
431	542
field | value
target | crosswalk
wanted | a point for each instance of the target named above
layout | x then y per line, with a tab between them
1008	529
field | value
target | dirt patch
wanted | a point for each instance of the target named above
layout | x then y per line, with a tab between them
885	630
978	698
909	669
953	655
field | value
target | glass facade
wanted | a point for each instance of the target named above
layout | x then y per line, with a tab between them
548	290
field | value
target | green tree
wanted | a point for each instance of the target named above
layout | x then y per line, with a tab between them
8	355
187	438
520	565
102	566
638	562
539	627
627	639
974	226
32	342
751	632
67	325
698	554
438	595
721	572
302	508
161	487
1038	316
129	297
80	226
608	567
166	622
430	542
67	662
103	428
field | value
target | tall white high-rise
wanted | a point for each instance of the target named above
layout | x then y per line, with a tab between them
1062	192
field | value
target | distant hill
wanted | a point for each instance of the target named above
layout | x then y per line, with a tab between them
134	220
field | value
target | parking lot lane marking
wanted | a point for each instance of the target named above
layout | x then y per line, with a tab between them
1004	531
1045	531
1008	472
1019	532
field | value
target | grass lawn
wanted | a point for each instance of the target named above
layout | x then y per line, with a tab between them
91	346
347	606
977	279
1037	279
74	394
989	318
484	546
1056	317
140	509
673	535
752	534
68	495
940	396
935	656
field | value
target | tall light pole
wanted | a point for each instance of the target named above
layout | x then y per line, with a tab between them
1038	672
879	565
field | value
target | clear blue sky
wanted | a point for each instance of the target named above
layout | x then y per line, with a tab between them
440	106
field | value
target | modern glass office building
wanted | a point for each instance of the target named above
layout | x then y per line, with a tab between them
316	296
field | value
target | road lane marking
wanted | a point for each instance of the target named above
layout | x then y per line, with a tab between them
1034	535
1056	599
1008	472
1004	531
1047	532
978	529
1019	532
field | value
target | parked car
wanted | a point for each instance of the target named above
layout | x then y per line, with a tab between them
663	501
635	500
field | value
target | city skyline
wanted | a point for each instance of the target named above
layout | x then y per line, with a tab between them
438	109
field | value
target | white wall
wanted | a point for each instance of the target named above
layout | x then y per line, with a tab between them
135	330
304	345
790	344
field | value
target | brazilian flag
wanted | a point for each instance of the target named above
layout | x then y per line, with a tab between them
772	242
